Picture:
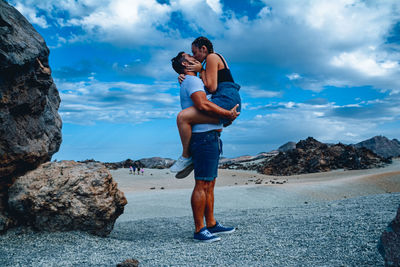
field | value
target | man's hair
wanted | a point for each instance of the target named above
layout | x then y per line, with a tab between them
200	41
177	63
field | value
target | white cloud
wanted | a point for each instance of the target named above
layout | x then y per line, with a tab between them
293	76
30	14
255	92
215	6
365	63
119	102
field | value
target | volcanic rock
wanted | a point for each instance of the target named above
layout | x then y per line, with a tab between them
30	127
66	195
129	263
382	146
286	147
311	156
157	162
389	243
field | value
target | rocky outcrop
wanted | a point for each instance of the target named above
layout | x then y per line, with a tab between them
157	162
286	147
382	146
311	156
389	243
30	127
245	162
66	195
151	163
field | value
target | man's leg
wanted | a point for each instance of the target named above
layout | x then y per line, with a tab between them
199	198
209	210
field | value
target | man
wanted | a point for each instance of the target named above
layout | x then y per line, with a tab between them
205	147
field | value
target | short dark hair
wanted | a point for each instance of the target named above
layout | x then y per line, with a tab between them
177	63
200	41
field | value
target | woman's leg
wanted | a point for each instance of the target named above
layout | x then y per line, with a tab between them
186	118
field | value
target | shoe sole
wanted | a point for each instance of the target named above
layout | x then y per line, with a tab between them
208	240
224	232
185	172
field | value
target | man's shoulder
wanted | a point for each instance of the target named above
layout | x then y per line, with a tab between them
192	84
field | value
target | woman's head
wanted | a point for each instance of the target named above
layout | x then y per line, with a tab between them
201	47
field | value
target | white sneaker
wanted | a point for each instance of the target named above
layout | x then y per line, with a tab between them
181	164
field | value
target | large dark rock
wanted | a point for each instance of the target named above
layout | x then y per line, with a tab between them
30	126
382	146
66	195
311	156
389	244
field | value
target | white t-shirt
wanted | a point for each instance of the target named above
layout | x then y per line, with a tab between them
190	85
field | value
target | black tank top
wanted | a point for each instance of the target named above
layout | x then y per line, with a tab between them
225	74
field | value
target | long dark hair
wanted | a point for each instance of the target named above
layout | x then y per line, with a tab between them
200	41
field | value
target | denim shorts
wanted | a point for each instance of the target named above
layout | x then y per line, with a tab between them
205	148
227	96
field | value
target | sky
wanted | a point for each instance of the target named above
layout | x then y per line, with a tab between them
326	69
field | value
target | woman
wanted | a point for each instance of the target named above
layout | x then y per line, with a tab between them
218	81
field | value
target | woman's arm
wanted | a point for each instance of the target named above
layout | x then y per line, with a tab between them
210	74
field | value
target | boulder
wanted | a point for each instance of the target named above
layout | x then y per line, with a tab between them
30	126
389	244
66	195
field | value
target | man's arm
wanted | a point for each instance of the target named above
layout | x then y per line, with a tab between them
201	102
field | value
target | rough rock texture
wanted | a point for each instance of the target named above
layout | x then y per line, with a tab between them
312	156
129	263
286	147
389	244
151	163
157	162
30	127
66	195
382	146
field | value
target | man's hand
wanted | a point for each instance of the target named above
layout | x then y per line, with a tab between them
181	77
234	114
194	65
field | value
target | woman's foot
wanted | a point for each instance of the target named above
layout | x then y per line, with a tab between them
181	164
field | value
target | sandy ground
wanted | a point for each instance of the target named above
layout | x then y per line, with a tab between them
158	194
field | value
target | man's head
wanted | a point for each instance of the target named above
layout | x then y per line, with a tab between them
180	62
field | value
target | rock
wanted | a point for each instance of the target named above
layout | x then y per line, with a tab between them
66	195
286	147
129	263
312	156
30	126
389	243
157	163
382	146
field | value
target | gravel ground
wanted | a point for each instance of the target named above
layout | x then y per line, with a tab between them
329	233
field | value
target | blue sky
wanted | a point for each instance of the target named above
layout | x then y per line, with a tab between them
327	69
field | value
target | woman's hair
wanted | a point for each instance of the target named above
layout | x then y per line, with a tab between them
200	41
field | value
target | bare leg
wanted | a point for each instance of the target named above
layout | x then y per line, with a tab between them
198	202
209	211
186	118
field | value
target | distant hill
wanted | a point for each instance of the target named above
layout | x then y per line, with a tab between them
382	146
286	147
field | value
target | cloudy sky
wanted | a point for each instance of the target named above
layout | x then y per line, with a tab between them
327	69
